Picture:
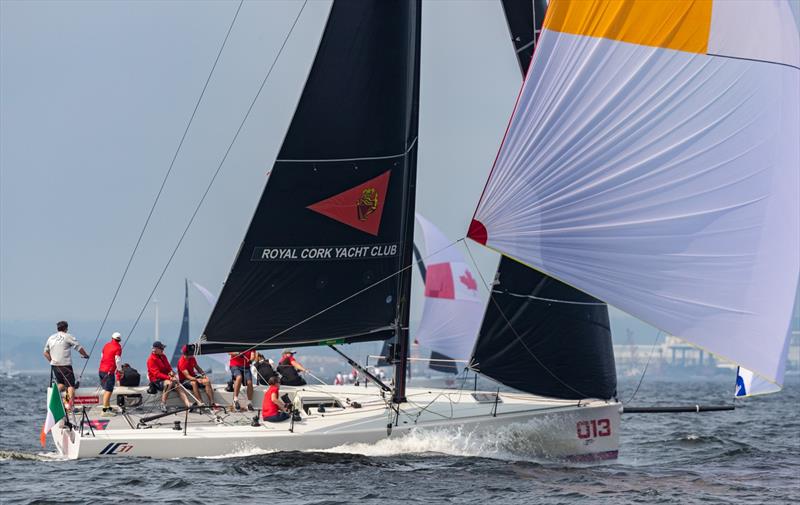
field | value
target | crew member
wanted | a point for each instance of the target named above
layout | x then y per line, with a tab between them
240	370
263	369
110	364
160	374
58	351
193	376
273	409
289	367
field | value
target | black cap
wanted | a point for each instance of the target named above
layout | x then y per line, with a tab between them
158	345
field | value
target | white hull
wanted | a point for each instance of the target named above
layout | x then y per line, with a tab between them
544	427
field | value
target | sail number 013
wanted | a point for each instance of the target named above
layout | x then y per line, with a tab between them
593	428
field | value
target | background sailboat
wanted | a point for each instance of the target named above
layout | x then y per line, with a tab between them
453	308
184	333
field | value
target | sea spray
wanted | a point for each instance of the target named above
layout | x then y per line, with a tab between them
528	441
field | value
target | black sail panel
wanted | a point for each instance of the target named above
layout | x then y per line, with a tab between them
540	335
320	259
524	18
544	337
183	336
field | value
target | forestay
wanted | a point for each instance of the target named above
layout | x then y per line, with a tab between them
652	161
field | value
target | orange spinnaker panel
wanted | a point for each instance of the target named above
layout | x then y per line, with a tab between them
682	25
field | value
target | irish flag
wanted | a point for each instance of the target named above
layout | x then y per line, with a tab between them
55	412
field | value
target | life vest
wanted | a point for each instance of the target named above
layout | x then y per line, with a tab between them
265	371
289	375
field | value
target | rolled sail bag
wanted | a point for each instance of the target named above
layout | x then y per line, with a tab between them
130	377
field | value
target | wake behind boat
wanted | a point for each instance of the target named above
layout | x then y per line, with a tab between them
333	416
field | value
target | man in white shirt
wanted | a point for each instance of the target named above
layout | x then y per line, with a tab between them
58	351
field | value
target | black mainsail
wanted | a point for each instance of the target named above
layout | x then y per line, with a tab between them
328	252
540	335
524	18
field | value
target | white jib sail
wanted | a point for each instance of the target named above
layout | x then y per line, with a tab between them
453	310
208	295
211	298
653	162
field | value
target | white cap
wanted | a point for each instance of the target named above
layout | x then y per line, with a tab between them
116	335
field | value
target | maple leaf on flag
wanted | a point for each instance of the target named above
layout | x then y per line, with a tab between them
468	281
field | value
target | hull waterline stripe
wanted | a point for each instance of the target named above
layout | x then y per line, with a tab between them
598	456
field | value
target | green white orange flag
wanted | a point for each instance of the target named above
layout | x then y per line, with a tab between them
55	412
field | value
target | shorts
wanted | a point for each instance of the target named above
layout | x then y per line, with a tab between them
63	375
186	383
243	371
280	416
159	384
107	381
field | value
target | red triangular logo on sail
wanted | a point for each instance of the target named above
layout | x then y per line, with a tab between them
360	207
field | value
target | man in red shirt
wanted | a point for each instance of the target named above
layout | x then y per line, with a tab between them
110	364
289	369
160	374
240	370
273	410
191	375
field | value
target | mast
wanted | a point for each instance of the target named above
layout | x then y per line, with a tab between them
388	345
407	219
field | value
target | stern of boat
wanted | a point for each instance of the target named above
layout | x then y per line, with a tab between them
66	439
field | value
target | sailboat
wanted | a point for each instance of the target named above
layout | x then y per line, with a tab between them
183	333
608	182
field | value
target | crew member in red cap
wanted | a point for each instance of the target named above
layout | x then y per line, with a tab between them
289	369
191	375
110	364
160	374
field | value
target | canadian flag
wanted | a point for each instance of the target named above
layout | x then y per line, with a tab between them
453	310
451	280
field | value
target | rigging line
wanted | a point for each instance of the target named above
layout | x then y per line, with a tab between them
649	357
553	300
514	331
216	173
326	309
163	183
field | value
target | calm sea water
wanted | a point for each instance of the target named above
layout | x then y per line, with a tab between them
751	455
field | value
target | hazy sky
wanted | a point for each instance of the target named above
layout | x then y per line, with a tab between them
94	97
